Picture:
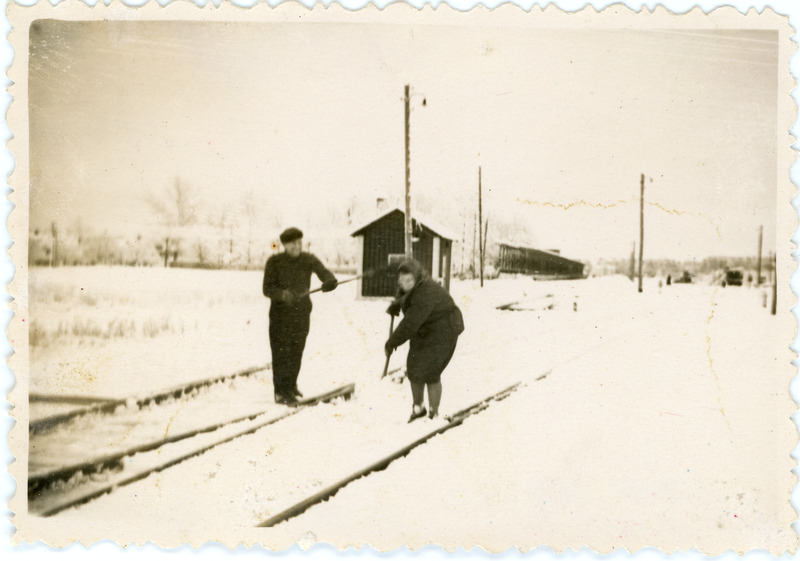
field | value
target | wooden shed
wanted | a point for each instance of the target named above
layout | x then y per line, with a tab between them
381	246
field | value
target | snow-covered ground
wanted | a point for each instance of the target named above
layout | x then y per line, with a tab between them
119	332
663	414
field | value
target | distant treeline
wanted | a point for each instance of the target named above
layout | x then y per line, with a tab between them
200	250
54	248
707	266
189	229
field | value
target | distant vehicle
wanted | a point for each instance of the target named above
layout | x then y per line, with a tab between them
733	278
685	279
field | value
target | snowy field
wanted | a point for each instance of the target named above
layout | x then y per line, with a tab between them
119	332
662	414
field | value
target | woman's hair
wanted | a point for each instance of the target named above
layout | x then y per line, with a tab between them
413	267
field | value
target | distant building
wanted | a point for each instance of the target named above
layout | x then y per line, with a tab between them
538	263
381	246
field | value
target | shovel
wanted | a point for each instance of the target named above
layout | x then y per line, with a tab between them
386	367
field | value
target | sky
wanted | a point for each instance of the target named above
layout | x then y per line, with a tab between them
310	116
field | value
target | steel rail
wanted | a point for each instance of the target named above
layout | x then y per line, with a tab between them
344	391
40	480
452	421
49	423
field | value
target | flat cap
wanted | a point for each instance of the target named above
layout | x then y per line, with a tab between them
291	234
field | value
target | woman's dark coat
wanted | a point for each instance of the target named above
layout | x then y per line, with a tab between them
432	323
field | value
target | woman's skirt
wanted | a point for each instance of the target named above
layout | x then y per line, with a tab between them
429	356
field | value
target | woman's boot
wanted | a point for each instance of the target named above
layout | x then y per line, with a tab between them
418	394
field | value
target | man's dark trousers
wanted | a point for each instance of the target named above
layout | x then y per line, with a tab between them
287	338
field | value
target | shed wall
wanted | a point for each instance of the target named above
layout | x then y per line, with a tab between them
385	237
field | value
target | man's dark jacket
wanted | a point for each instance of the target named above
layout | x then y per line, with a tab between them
284	272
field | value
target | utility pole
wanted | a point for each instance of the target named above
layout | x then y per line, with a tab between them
774	284
641	232
463	242
480	224
409	246
758	267
485	236
474	236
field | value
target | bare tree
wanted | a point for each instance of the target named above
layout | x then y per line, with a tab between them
352	210
249	205
177	207
228	223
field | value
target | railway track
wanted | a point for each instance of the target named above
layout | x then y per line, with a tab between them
51	491
452	422
110	433
107	406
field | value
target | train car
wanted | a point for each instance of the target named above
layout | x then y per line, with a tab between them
538	263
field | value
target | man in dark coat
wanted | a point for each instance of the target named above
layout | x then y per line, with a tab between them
431	323
287	278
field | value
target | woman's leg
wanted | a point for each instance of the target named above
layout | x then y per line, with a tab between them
417	393
434	397
435	388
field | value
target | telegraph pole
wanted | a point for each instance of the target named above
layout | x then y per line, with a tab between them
774	284
758	268
463	242
409	246
641	232
485	236
474	234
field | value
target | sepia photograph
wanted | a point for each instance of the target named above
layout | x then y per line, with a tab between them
401	277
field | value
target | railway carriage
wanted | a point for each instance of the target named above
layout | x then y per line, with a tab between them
538	263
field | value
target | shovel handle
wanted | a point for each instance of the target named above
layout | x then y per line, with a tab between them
386	367
367	274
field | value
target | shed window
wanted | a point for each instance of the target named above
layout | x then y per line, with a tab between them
396	258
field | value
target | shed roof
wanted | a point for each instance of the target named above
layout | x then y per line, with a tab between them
416	217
